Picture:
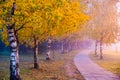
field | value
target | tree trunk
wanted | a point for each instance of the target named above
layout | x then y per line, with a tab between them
48	50
69	47
101	41
17	54
96	44
62	46
53	54
54	46
14	57
36	65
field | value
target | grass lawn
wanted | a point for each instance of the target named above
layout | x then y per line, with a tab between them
111	61
61	67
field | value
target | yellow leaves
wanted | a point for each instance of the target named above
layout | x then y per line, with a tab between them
44	18
76	5
104	21
4	36
1	23
26	14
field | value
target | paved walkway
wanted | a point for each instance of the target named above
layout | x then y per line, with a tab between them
90	70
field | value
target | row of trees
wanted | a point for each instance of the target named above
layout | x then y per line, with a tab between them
102	27
31	22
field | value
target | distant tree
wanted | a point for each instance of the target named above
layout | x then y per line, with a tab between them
104	29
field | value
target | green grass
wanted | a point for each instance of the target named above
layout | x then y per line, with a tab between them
111	61
4	53
48	70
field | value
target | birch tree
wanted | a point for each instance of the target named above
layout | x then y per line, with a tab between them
104	30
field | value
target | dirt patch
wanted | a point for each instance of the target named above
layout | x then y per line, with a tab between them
71	70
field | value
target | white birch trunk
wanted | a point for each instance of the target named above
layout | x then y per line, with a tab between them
14	57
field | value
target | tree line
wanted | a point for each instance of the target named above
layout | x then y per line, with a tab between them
32	22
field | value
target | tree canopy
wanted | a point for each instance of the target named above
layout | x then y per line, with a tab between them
42	18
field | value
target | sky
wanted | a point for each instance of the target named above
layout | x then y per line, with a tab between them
118	7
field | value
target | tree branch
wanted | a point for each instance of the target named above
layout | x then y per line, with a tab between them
20	28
